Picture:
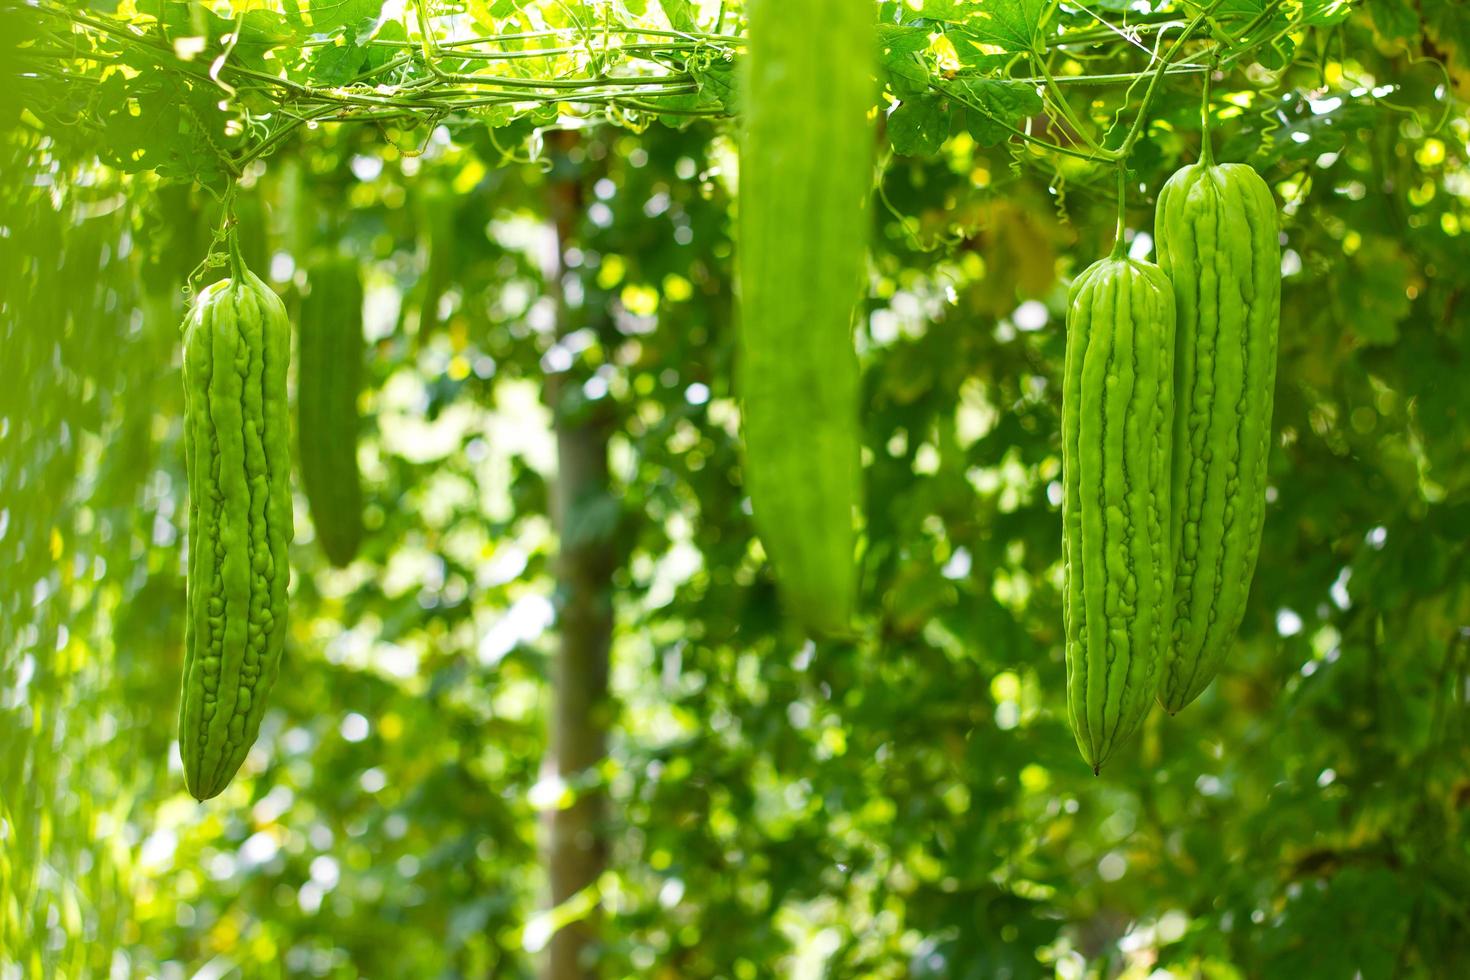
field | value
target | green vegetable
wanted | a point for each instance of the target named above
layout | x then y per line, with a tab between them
436	209
1216	232
328	382
805	176
236	434
1117	403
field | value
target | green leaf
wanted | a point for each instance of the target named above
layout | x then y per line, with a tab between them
154	123
261	27
292	10
974	57
1009	24
1007	102
718	81
919	126
335	64
682	14
991	107
390	30
1394	22
1277	55
954	11
1326	13
357	16
901	59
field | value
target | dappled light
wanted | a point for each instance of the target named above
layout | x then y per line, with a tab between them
729	551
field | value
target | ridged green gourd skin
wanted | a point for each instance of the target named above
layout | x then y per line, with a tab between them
805	177
237	345
330	352
1216	230
1117	405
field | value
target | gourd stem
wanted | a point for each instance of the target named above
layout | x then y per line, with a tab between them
1153	85
237	263
1118	245
228	223
1207	149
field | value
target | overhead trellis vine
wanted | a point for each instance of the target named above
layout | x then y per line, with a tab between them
198	91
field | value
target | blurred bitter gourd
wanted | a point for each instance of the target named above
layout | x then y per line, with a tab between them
1217	241
805	176
236	444
1117	395
328	382
436	203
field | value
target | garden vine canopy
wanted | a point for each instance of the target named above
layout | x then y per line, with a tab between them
909	802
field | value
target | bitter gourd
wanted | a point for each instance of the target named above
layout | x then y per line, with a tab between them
328	382
805	176
1117	404
236	444
436	209
1217	238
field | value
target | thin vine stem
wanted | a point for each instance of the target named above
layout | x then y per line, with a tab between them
1207	148
232	242
1153	86
1064	105
1118	247
1092	35
1266	14
1101	79
550	34
961	98
390	91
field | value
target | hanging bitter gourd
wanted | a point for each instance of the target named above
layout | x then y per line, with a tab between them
328	381
1216	231
805	176
236	443
1117	395
436	203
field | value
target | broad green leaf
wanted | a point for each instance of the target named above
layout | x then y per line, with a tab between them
356	16
1394	22
1006	101
718	80
919	126
682	14
1009	24
991	107
1326	13
292	11
335	64
389	30
946	10
901	58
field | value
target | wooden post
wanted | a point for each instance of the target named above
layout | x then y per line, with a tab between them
576	843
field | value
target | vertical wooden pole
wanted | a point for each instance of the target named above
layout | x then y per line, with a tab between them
576	842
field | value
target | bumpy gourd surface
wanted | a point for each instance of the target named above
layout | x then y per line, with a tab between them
1217	241
328	382
236	443
805	175
1117	402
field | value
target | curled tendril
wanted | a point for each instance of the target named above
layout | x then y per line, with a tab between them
1058	187
430	124
222	244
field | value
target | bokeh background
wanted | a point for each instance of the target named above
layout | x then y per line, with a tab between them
910	804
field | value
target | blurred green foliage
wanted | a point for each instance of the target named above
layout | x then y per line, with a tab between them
911	805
